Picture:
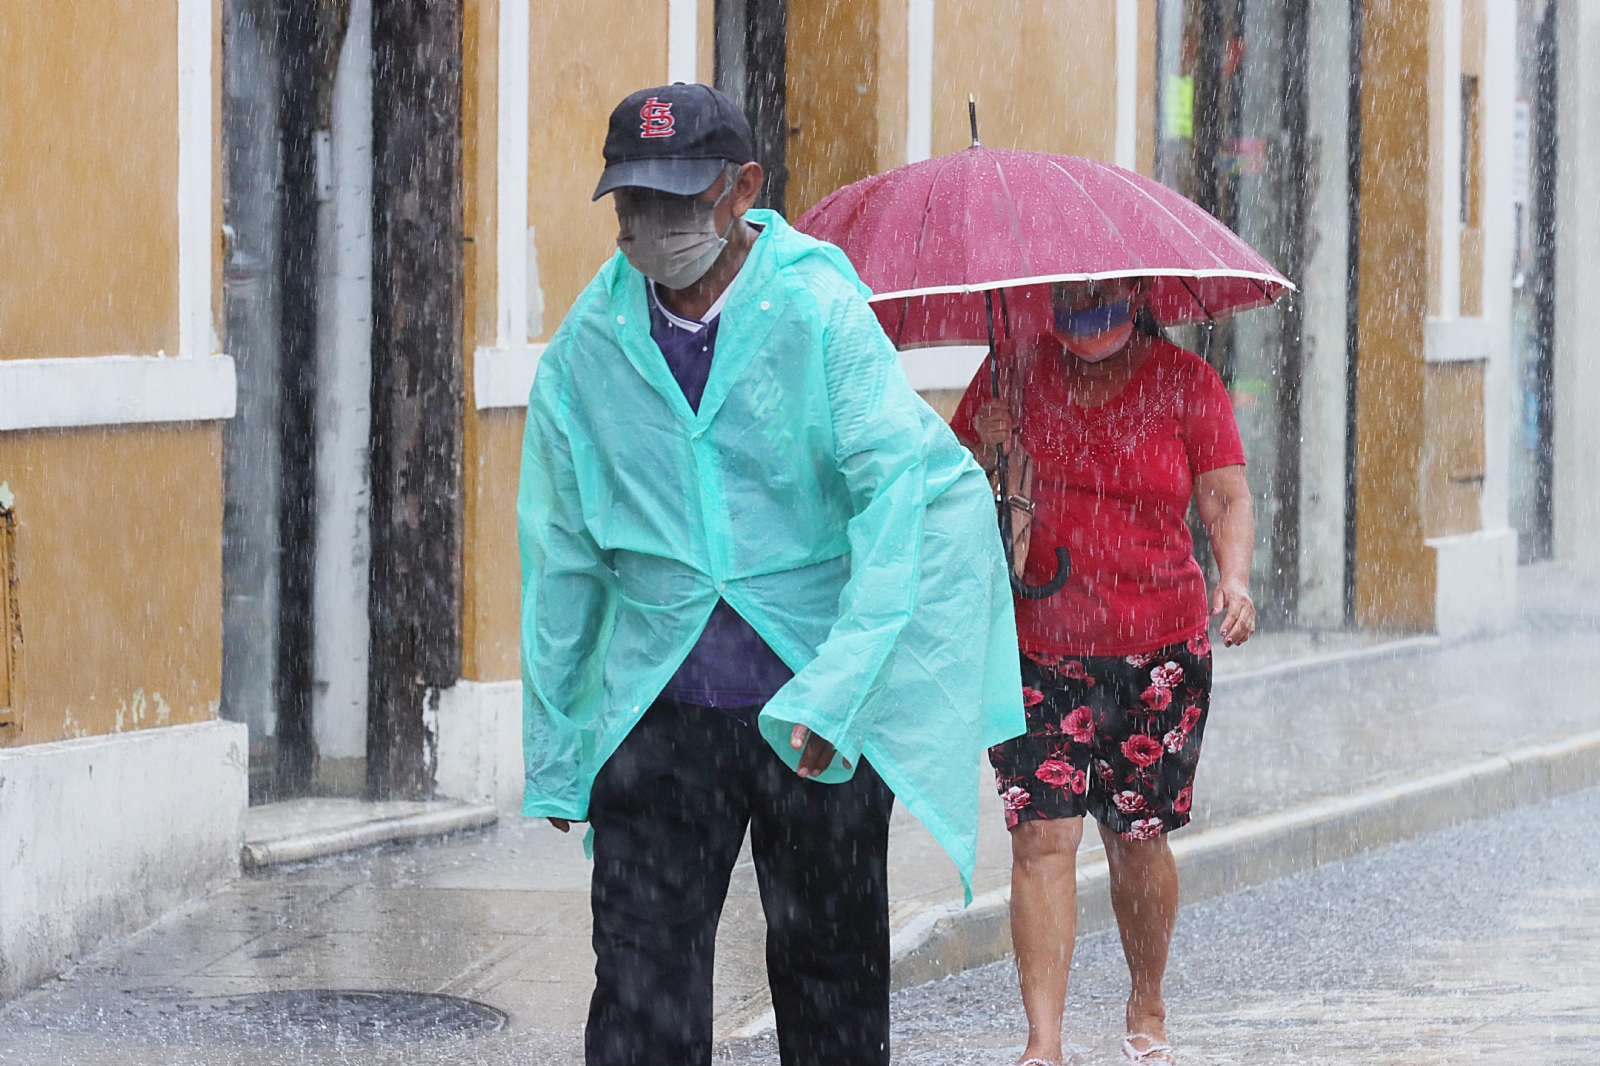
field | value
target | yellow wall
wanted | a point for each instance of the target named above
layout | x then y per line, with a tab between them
1472	50
893	55
1045	75
1145	142
118	529
585	56
832	98
1454	451
493	568
88	178
492	439
1395	573
479	138
119	576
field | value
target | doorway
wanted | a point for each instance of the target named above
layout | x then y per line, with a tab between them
342	470
297	130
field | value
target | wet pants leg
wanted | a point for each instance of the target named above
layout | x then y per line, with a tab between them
669	814
669	811
821	860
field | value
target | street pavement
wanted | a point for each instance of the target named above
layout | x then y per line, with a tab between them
1477	945
502	917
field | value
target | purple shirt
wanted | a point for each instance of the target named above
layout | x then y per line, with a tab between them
730	667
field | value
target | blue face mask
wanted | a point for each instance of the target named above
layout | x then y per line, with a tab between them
1092	320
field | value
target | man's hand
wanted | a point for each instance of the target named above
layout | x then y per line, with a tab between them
560	823
817	755
1232	601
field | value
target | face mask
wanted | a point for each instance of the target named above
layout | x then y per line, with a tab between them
1092	320
1094	333
671	240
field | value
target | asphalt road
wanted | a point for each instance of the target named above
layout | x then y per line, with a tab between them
1477	945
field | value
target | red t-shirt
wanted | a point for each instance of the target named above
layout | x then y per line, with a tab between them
1112	484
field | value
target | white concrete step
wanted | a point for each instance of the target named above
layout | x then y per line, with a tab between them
312	828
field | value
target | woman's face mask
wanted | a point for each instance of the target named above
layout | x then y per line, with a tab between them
670	239
1094	333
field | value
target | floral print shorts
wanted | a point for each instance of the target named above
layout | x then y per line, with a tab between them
1116	737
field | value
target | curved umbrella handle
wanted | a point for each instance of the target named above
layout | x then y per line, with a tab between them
1063	557
1049	588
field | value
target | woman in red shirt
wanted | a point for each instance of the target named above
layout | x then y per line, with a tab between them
1116	430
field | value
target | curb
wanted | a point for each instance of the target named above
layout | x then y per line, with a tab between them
1389	649
946	938
261	854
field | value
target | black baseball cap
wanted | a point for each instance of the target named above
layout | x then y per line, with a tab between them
675	139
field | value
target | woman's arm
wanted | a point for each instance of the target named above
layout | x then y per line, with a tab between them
1223	497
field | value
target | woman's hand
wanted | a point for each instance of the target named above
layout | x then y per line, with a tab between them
1223	496
1232	601
992	423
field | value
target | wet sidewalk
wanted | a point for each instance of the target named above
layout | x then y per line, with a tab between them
502	917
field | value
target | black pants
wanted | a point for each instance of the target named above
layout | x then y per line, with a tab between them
669	811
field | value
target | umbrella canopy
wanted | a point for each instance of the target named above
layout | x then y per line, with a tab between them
931	237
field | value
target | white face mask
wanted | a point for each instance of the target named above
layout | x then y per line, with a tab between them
671	240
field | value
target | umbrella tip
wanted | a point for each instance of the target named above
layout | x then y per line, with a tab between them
972	117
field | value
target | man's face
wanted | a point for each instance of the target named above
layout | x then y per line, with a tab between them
746	184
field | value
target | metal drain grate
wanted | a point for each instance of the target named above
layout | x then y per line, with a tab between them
347	1014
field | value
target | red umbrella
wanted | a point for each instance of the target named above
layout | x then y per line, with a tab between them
930	238
934	240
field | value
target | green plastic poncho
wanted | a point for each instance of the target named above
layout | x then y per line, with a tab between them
814	491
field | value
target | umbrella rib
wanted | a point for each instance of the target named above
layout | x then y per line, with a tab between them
1262	289
1178	221
1207	311
922	232
1011	209
1116	229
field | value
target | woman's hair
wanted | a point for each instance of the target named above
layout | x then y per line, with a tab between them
1145	322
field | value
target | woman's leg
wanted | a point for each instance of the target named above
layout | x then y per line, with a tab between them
1147	749
1144	894
1044	924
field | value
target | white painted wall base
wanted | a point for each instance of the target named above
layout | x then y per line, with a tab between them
1477	582
478	735
101	836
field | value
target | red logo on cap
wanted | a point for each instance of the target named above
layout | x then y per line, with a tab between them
657	119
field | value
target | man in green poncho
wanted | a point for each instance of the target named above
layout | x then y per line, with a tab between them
762	587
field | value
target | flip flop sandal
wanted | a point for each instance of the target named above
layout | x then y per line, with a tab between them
1157	1054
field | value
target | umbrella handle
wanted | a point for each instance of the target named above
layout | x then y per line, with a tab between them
1063	557
1049	588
